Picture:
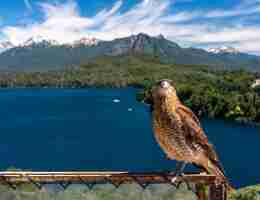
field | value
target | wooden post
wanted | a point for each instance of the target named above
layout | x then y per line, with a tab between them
201	191
217	192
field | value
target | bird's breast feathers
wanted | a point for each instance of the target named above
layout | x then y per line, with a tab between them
169	135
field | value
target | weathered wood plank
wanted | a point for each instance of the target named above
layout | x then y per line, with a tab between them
127	177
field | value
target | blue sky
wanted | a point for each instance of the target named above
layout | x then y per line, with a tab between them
198	23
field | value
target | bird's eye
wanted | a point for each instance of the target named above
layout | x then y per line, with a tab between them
164	84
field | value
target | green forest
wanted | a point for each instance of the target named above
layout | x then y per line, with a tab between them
214	93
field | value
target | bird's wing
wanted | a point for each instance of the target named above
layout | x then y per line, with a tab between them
194	133
191	124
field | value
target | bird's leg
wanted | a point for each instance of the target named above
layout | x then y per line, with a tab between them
180	166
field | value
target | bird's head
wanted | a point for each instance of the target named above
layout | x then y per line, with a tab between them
162	90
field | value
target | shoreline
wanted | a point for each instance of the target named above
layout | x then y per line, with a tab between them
137	94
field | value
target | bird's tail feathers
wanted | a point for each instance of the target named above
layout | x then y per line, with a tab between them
217	170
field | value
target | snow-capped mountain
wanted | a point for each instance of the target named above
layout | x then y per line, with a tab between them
42	55
86	42
224	49
39	40
5	46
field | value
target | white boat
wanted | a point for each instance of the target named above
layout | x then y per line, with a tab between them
116	100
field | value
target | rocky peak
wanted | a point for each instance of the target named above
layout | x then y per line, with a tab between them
224	49
36	40
139	42
86	42
161	37
5	45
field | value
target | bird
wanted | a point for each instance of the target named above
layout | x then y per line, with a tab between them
179	132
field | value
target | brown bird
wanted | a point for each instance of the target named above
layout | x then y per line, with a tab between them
179	133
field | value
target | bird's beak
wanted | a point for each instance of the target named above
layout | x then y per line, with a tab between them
148	98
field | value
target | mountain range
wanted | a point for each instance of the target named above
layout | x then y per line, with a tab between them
41	54
223	49
4	46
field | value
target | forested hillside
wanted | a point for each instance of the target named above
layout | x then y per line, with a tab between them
213	93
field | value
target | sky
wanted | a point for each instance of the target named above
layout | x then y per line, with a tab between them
196	23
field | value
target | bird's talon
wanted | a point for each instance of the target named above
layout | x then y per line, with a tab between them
176	177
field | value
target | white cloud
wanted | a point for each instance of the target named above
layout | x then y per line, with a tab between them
64	22
61	22
238	11
229	35
246	39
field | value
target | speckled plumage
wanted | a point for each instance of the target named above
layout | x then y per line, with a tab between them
178	131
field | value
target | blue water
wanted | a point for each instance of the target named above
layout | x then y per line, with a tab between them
83	129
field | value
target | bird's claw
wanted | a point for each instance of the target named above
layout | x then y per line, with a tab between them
176	179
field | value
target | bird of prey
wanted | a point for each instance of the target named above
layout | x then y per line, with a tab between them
179	133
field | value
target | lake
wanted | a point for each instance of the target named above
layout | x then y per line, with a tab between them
105	129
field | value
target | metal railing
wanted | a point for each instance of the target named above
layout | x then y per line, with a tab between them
90	179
